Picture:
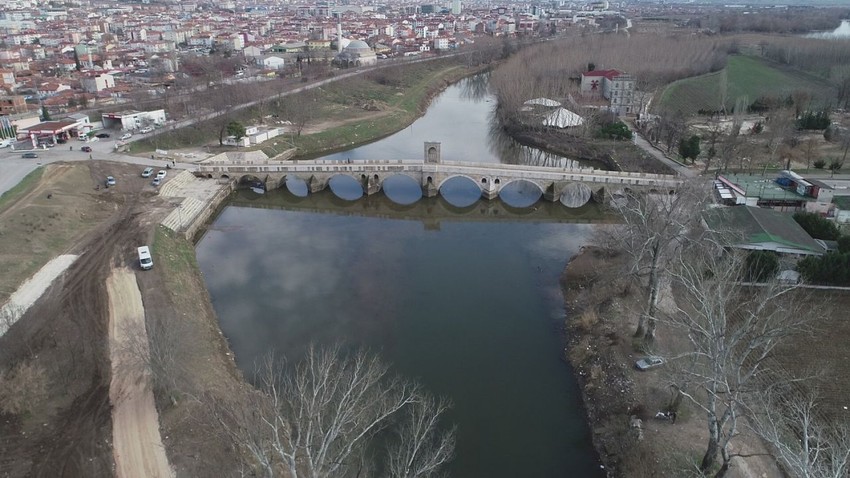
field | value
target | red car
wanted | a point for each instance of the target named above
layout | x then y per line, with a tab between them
86	149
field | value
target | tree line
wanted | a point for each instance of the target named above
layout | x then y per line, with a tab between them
733	331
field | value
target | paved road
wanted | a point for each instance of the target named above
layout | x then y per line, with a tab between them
678	168
13	167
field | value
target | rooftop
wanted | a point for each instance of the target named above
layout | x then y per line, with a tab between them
761	226
764	187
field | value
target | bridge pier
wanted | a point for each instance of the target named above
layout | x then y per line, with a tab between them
489	190
315	184
552	193
429	190
371	185
274	181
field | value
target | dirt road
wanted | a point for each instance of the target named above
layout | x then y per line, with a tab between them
137	445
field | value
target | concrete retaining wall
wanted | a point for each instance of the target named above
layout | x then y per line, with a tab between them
197	225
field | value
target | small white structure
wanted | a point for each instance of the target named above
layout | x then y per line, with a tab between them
542	102
563	118
131	119
271	62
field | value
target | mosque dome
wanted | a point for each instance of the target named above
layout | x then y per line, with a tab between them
358	46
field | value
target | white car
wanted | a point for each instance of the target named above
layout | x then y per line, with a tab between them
126	136
145	260
147	172
161	174
146	130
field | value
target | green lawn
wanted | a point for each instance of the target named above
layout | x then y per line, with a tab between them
747	77
18	190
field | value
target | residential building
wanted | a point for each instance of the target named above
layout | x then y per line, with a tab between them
616	87
97	83
10	105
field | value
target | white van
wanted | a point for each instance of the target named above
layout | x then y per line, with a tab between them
145	261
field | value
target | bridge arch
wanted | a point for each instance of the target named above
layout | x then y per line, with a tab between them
458	175
539	186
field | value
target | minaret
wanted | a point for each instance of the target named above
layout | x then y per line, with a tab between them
339	37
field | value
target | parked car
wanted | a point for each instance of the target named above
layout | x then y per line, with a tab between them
86	149
29	155
145	260
101	135
126	136
649	362
161	174
93	139
83	137
156	181
147	172
146	130
110	181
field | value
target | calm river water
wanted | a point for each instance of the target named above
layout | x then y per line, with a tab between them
464	297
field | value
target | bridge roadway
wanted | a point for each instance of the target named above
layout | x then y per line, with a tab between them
574	187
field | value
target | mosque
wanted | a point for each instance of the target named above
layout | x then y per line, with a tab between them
355	53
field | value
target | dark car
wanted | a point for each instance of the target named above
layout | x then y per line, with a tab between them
102	135
86	149
29	155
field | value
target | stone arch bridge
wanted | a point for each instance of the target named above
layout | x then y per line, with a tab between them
574	187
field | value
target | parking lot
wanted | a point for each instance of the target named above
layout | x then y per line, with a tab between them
14	166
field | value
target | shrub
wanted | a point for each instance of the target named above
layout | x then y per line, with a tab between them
616	130
816	226
835	165
689	148
832	268
811	120
819	164
23	388
844	244
761	266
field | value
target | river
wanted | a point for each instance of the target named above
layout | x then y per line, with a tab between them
460	295
840	33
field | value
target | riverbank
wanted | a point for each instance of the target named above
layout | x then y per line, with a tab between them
621	402
371	107
612	154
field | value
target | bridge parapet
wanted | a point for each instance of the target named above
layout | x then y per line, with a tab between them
489	177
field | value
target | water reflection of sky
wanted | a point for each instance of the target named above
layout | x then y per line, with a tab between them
462	136
468	309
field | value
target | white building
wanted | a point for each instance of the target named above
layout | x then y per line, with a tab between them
99	82
132	120
271	62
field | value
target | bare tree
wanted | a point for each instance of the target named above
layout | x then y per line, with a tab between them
732	141
23	387
419	450
299	109
319	419
732	330
778	129
653	227
806	443
159	349
810	147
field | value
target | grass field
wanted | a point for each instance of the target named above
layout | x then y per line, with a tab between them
747	77
35	228
398	93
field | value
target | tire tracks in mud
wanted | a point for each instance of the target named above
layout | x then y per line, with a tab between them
69	328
